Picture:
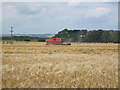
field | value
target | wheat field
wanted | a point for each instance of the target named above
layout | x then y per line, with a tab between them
80	65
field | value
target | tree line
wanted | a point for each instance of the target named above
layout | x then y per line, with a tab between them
101	36
24	38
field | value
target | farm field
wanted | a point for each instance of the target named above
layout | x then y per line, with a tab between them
80	65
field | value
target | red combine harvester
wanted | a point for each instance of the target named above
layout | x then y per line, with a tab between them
55	41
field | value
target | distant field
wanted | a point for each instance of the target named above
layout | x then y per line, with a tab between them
36	65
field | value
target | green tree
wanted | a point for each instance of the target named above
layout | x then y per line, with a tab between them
106	37
27	38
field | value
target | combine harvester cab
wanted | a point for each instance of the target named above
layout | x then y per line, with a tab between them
56	41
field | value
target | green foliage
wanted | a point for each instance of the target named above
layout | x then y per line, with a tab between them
94	36
18	38
27	38
103	36
41	40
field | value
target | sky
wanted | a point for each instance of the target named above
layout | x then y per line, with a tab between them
51	17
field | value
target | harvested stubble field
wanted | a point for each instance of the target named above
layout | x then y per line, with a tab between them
36	65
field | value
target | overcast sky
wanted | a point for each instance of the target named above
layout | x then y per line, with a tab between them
51	17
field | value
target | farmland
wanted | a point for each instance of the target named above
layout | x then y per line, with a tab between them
80	65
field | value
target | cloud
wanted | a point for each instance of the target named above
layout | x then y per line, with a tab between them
27	11
60	0
73	3
20	9
50	17
98	12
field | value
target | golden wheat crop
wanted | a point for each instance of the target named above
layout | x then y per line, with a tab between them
81	65
0	65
